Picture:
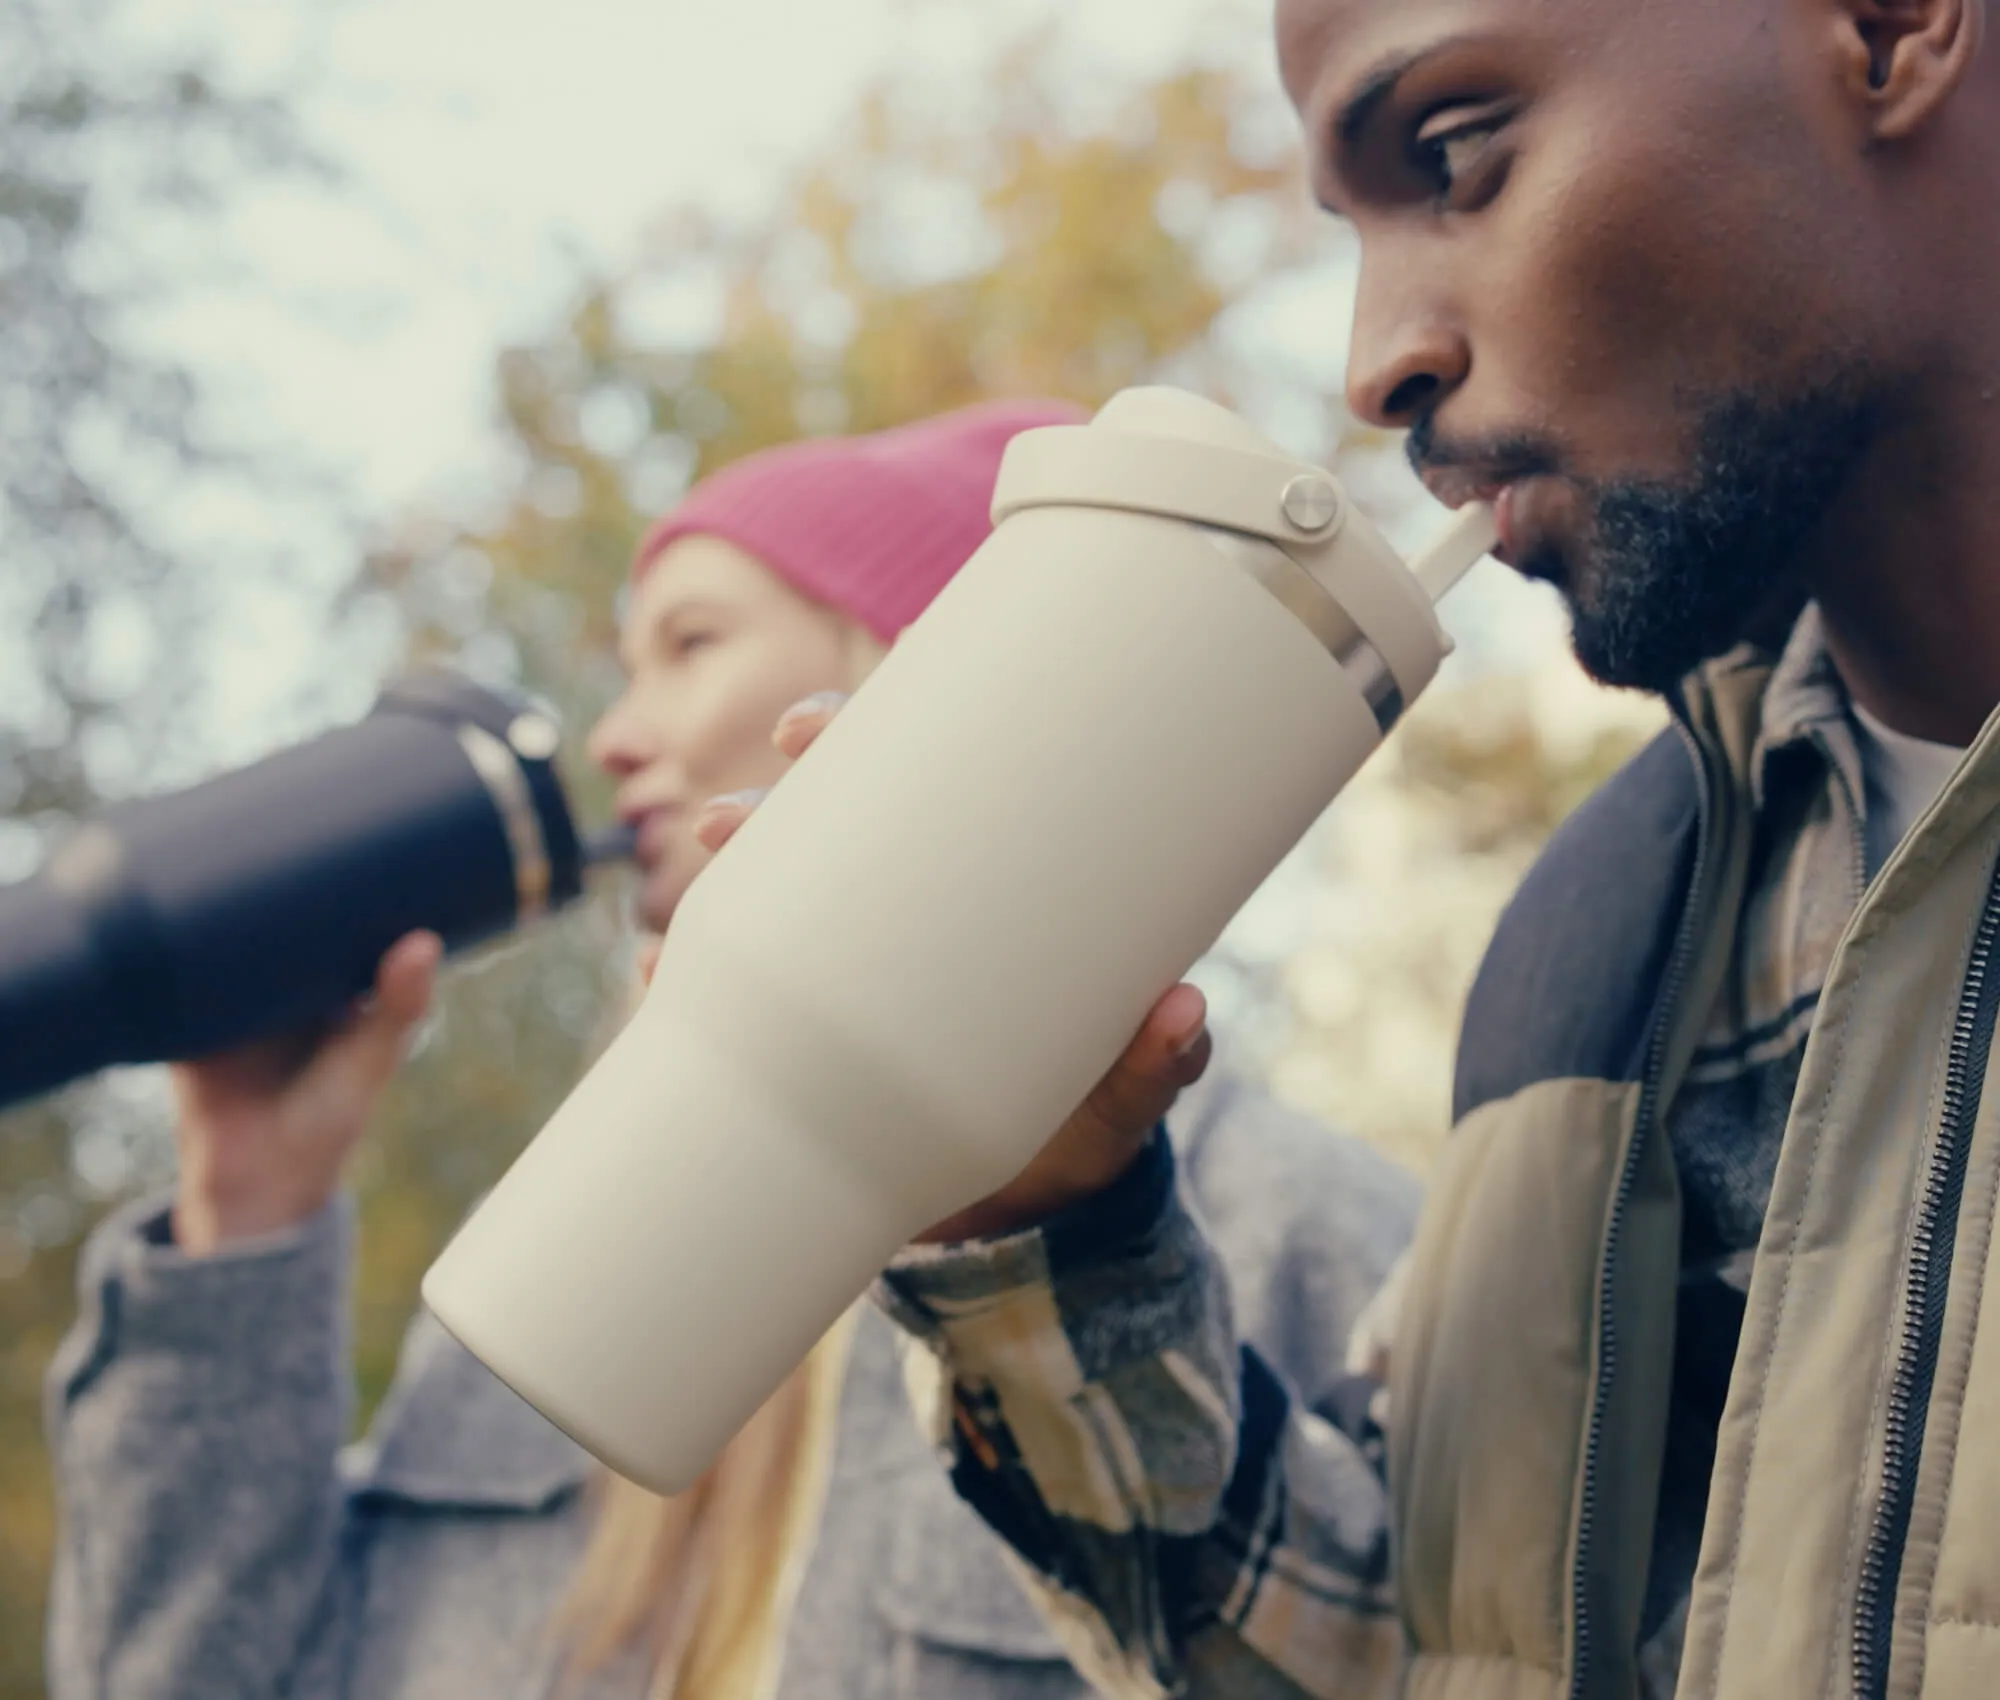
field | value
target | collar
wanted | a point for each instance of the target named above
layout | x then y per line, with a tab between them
1805	705
452	1434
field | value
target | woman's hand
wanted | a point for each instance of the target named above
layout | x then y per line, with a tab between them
265	1131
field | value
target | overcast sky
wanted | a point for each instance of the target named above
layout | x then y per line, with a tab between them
493	150
494	146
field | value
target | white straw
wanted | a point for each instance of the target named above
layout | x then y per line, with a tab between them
1472	533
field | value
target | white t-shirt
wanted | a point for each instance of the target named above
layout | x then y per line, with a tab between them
1903	775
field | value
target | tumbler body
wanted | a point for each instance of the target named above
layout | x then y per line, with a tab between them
917	957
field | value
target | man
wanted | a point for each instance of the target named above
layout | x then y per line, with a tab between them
1689	1393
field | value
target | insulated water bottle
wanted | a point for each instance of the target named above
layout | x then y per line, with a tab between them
258	902
928	944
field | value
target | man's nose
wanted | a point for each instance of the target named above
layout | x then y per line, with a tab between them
1405	356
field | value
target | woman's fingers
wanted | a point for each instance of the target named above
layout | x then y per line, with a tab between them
804	721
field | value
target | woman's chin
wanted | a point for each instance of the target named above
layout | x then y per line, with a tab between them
654	903
663	885
654	915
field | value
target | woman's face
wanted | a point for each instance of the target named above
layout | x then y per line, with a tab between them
716	646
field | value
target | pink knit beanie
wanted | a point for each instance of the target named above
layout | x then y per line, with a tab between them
874	526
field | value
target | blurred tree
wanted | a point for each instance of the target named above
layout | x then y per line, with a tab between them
933	254
97	612
95	609
924	262
946	246
1416	861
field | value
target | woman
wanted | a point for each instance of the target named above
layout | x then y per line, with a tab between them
218	1540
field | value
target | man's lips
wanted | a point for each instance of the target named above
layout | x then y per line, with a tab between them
1456	489
1521	508
1507	523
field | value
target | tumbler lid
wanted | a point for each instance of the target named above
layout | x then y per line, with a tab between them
1166	452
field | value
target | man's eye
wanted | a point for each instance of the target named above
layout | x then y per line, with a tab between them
1449	156
689	643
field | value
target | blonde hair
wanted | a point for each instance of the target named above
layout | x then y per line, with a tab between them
700	1584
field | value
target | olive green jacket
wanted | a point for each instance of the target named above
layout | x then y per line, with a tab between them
1851	1543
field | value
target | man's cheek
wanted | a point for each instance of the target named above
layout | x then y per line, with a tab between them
1587	318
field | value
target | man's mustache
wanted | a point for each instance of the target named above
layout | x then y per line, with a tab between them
1503	459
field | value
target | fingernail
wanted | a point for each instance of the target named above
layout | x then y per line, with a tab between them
736	800
1184	1047
820	702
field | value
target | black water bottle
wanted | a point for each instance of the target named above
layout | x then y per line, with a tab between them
261	901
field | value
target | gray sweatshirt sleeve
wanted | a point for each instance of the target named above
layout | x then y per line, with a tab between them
195	1412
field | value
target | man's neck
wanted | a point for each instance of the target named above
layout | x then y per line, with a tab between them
1909	585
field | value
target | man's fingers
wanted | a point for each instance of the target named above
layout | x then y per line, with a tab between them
804	721
1191	1064
1169	1052
1176	1027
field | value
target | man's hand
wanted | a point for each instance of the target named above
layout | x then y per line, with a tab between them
1105	1135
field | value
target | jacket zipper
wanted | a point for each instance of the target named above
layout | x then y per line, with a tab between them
1671	985
1924	1293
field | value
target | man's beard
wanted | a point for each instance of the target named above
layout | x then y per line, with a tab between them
1675	572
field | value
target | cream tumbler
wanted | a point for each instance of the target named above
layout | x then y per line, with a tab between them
934	937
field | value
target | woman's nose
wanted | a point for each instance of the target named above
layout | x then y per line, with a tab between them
618	743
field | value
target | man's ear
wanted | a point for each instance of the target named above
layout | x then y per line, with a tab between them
1902	59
